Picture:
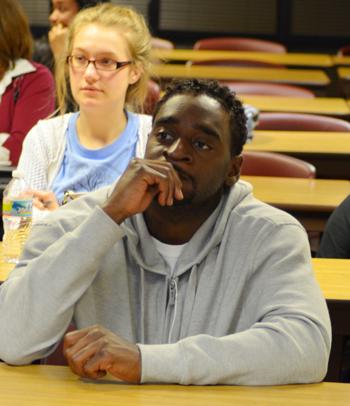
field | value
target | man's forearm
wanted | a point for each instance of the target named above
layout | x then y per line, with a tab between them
38	299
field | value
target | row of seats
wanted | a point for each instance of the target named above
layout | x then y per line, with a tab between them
236	44
258	163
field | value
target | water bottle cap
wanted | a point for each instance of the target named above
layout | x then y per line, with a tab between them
17	174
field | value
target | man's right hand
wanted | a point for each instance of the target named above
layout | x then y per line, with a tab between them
141	182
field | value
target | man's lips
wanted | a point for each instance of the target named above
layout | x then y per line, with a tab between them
182	174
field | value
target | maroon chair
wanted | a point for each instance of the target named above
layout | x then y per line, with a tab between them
344	51
153	95
300	122
269	89
161	43
240	44
273	164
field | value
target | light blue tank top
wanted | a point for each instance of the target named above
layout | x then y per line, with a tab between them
85	170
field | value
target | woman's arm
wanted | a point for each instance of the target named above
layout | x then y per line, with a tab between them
35	100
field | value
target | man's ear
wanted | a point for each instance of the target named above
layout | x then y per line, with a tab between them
234	172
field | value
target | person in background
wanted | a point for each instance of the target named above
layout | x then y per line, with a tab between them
49	49
176	274
27	89
107	69
335	242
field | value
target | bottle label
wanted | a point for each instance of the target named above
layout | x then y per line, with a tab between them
19	207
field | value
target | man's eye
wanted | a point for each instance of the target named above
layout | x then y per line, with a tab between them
164	136
201	145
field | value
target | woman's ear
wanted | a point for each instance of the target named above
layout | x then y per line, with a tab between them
234	172
135	73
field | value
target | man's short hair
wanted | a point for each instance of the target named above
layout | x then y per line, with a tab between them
221	93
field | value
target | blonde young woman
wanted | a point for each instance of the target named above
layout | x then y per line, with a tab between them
106	66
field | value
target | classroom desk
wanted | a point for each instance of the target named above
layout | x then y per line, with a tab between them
43	385
310	77
328	151
311	201
291	59
5	268
344	73
333	276
332	106
341	60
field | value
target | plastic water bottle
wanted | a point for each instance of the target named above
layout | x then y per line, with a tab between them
17	211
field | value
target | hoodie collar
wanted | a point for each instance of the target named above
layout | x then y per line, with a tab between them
206	237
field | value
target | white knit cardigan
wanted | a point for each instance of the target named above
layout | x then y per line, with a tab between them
44	146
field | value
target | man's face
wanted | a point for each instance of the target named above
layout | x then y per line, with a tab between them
193	134
63	12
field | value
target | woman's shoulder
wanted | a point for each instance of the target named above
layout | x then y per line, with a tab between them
56	123
50	128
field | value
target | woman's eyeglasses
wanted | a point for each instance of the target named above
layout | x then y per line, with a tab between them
80	62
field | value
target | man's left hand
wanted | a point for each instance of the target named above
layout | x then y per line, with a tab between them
93	351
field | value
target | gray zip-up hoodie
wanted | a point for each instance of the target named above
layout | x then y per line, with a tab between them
242	306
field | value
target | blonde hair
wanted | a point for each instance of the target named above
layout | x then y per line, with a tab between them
133	28
15	37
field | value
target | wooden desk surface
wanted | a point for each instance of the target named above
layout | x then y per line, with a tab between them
314	195
306	142
341	60
344	73
296	59
333	275
319	105
41	385
309	77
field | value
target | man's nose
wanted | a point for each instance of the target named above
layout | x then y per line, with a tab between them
179	150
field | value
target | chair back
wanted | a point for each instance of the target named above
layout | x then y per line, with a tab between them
240	44
153	95
301	122
269	89
273	164
344	51
161	43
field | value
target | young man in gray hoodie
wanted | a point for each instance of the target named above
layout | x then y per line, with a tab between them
206	284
